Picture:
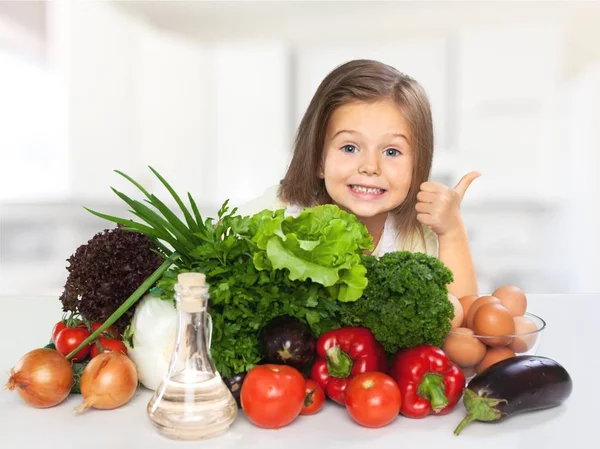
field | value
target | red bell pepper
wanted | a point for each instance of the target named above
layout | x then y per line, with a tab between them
341	355
381	355
429	382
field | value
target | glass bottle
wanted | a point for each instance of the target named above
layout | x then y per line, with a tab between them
192	402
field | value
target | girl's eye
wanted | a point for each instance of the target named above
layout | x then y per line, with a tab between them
349	149
392	152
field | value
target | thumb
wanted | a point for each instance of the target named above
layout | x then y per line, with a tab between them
465	182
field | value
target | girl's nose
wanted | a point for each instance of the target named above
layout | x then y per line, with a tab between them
369	166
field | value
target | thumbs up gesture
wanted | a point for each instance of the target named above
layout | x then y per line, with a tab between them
438	206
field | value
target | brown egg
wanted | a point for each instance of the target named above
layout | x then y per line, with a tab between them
468	372
523	325
459	315
466	302
494	355
493	320
512	298
476	305
463	348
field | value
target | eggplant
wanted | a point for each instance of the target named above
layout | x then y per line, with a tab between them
234	383
286	340
519	384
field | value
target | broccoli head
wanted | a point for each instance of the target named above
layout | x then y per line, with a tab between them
406	301
105	271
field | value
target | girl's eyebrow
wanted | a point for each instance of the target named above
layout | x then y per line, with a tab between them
350	131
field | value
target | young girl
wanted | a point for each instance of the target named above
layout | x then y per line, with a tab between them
365	143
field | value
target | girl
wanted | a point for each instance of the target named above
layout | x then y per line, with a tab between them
365	144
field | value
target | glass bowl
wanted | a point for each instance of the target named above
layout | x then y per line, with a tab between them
496	348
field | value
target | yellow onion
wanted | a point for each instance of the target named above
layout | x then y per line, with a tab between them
43	378
108	381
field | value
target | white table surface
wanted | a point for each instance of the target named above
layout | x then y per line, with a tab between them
570	338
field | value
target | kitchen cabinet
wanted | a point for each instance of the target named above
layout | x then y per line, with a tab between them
171	115
135	96
250	129
581	212
211	117
94	51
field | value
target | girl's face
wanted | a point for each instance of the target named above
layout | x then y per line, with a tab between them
367	158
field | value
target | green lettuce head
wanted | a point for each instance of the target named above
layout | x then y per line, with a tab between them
323	244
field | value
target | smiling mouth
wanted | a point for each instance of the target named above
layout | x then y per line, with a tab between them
367	190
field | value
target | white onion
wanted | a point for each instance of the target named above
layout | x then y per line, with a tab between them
154	327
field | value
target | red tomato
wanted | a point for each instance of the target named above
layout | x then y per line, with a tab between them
313	399
70	338
272	395
111	332
56	329
373	399
108	344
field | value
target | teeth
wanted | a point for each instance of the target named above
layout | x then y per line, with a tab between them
371	190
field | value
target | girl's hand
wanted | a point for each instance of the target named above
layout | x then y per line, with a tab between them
438	206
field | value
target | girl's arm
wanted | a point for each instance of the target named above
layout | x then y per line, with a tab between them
438	207
454	252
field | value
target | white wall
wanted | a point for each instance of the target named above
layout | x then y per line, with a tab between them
334	22
251	144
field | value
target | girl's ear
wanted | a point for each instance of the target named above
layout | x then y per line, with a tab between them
320	171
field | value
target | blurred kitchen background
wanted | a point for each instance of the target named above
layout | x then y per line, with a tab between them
210	94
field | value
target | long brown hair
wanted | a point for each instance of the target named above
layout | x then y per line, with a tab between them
367	81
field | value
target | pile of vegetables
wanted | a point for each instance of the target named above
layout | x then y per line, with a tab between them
311	268
300	313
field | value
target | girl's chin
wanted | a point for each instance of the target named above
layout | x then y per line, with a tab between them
362	209
364	212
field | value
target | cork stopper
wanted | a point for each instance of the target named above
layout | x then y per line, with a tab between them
193	292
190	280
